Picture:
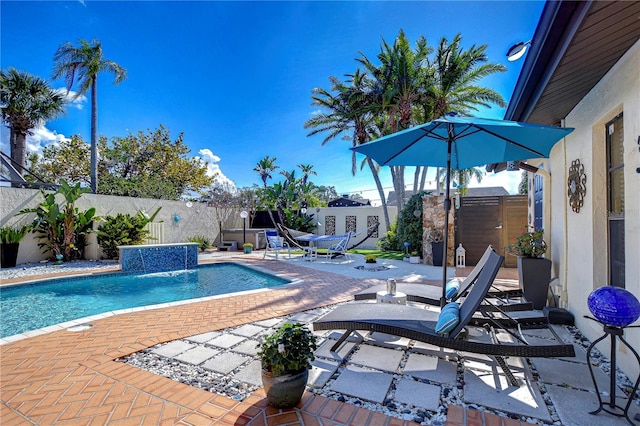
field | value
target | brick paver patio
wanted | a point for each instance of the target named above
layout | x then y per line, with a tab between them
72	377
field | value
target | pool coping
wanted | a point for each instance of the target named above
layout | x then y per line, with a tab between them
67	325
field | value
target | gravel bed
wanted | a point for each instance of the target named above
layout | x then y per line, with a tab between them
34	269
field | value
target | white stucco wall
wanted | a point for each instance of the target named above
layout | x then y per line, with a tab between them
579	247
195	220
361	214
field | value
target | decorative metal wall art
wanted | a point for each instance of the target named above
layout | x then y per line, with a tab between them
577	185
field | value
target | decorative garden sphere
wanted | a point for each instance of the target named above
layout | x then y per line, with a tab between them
614	306
406	243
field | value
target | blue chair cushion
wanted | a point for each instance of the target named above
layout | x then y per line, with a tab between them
448	319
452	288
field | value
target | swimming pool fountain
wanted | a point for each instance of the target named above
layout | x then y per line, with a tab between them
152	258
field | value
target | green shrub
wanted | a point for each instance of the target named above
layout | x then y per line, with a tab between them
288	350
370	258
410	225
123	230
389	241
203	242
10	234
61	227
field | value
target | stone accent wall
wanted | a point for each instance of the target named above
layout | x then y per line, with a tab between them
433	218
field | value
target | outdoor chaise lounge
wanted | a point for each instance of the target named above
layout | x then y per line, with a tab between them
430	294
420	324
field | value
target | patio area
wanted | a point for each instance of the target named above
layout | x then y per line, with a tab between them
69	377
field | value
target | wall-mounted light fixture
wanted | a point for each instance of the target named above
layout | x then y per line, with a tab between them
517	51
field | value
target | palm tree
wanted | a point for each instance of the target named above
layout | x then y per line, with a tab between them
82	64
307	170
265	167
401	77
349	112
27	102
455	74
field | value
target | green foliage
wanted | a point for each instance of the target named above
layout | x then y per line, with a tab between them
68	159
10	234
369	258
410	225
523	186
61	227
390	241
289	350
123	230
145	165
203	242
529	244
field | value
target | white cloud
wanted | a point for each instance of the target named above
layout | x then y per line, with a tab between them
72	101
41	137
213	169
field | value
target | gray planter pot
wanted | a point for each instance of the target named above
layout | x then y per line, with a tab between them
284	391
535	275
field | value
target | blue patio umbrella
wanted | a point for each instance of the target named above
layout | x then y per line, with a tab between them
459	142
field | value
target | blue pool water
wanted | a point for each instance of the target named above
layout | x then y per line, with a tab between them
32	306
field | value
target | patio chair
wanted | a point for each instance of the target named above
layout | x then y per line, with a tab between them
275	244
421	325
340	248
430	295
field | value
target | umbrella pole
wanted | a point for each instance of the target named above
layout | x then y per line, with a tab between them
447	207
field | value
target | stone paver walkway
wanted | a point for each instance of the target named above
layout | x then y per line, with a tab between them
68	377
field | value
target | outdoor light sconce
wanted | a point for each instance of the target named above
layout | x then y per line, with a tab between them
577	185
517	51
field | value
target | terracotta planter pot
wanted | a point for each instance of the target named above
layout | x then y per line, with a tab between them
535	275
284	391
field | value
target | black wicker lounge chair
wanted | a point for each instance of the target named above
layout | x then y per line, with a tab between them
430	295
419	324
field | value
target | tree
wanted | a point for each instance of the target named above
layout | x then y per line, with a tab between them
401	79
82	64
349	112
27	102
68	160
151	165
265	167
523	186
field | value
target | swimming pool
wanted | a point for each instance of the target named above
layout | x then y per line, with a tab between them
32	306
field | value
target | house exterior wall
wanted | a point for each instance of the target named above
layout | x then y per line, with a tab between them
578	241
195	220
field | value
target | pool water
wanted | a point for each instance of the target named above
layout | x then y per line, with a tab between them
36	305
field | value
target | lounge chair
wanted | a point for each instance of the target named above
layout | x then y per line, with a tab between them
430	295
275	244
339	249
420	324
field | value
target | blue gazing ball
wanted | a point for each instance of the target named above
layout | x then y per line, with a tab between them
614	306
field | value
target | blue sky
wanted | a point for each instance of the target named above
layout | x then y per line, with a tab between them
236	77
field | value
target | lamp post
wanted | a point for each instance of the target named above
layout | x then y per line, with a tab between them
244	215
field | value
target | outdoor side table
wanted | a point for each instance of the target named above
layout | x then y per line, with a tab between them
398	298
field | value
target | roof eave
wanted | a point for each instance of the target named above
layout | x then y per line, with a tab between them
556	28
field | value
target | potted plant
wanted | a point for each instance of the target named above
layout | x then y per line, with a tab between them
436	238
534	271
10	238
415	257
370	258
285	356
248	247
